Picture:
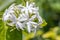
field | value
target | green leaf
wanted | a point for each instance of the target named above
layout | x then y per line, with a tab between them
55	6
5	3
3	30
44	23
6	34
13	35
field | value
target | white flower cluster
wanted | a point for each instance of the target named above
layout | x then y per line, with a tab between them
28	16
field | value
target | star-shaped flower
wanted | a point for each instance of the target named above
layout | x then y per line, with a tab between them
10	15
32	24
26	17
30	9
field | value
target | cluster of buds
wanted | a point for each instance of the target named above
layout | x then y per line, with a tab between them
23	17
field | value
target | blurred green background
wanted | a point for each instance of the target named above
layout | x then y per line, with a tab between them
50	12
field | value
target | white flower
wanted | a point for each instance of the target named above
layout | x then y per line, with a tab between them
10	15
8	12
14	20
39	17
26	16
30	8
31	24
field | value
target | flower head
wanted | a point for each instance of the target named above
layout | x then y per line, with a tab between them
27	16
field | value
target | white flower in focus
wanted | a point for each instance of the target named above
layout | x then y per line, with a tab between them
30	9
8	12
26	16
10	15
31	25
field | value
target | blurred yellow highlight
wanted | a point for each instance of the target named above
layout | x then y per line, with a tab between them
31	35
52	34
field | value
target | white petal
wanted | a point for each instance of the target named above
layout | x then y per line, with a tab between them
19	26
30	10
13	17
34	9
22	17
12	6
29	27
32	18
6	12
26	12
26	9
5	18
22	10
20	6
6	15
32	5
10	11
35	26
33	22
11	24
39	18
34	30
27	4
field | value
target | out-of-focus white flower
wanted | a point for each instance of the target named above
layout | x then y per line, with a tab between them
26	16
